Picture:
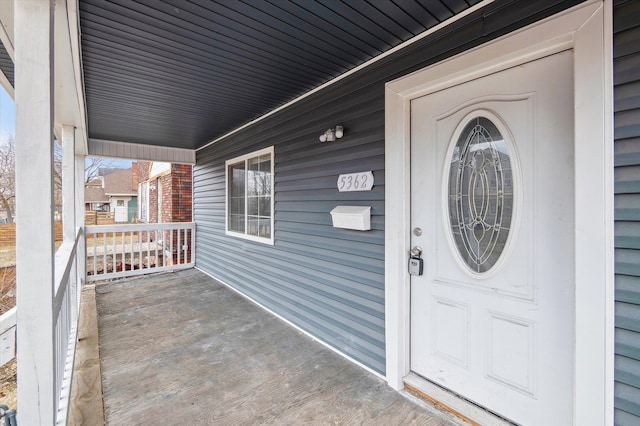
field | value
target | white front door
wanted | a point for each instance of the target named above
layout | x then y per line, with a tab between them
492	208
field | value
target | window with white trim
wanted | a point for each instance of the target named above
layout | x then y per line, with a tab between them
250	196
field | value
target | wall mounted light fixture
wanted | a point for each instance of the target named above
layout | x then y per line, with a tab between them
330	135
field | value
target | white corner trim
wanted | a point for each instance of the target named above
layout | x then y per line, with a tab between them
383	55
594	269
587	29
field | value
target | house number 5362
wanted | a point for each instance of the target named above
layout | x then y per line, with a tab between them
362	181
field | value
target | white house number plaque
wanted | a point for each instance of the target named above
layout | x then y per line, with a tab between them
361	181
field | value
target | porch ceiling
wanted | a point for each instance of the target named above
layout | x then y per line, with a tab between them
6	64
182	73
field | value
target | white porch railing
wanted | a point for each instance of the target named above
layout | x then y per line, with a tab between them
7	336
118	251
65	317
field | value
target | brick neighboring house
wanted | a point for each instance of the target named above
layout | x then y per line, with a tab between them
164	191
113	191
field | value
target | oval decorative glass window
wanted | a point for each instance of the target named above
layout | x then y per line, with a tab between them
480	194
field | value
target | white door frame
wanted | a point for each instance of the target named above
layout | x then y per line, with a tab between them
587	29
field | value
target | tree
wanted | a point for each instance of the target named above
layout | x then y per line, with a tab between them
8	176
92	166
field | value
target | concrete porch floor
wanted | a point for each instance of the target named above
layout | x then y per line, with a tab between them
180	348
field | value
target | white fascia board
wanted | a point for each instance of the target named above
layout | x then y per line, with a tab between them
6	27
4	81
136	151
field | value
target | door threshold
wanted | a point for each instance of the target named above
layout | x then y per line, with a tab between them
453	403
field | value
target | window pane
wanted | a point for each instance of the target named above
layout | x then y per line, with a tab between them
236	186
236	197
265	228
259	175
252	208
253	223
265	206
236	222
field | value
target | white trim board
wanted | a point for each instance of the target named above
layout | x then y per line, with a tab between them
587	30
115	149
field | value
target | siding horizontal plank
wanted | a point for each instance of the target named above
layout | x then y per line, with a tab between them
627	96
628	289
626	343
623	418
627	399
628	370
626	69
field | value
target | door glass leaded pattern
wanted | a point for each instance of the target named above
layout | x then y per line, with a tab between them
480	194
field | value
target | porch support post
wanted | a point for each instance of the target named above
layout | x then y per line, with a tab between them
69	211
33	21
68	183
79	211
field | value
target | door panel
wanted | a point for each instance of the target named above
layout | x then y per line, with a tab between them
492	191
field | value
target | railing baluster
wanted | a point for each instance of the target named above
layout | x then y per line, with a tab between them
95	253
184	245
148	248
124	256
140	234
132	251
171	245
104	252
164	247
155	259
114	246
179	249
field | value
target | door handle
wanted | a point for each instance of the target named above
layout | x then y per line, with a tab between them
416	264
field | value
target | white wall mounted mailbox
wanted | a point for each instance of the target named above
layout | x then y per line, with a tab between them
352	217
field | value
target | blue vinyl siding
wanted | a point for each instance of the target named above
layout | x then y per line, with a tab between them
325	280
627	210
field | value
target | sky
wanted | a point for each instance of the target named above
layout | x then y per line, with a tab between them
7	115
